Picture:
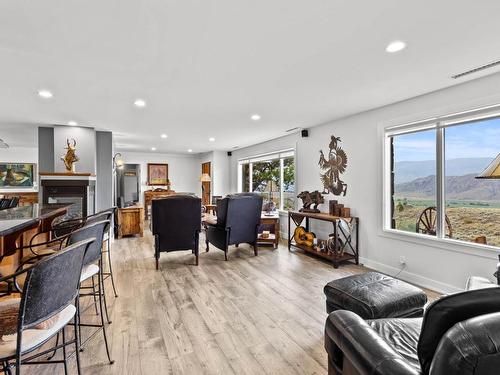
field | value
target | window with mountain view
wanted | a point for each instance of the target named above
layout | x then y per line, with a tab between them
448	154
472	205
272	176
414	182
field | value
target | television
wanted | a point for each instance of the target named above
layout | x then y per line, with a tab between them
17	175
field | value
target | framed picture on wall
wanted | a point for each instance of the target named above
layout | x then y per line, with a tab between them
17	175
157	174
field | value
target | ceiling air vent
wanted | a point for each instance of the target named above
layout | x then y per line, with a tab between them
477	69
3	144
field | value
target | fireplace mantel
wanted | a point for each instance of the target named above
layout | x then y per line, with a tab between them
67	176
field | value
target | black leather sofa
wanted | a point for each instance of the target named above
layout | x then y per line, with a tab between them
238	219
176	224
459	334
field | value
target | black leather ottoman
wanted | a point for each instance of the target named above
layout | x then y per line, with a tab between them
373	295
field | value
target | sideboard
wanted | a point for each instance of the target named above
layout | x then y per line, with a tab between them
345	236
25	198
149	195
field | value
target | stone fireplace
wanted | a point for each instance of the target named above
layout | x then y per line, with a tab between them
77	189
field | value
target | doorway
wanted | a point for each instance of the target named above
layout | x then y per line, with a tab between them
206	186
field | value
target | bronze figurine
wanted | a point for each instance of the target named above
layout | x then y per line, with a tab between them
333	167
314	198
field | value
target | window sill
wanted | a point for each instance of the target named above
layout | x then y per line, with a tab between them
457	246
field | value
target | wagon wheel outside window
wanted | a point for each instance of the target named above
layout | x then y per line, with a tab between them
426	223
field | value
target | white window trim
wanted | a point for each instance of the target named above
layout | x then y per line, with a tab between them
439	123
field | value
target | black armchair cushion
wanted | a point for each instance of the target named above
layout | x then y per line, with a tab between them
176	222
402	335
444	313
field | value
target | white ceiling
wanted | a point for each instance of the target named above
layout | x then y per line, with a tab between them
204	67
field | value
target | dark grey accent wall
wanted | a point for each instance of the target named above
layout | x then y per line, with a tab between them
45	149
85	147
104	170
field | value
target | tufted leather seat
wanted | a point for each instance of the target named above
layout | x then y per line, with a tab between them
373	295
402	335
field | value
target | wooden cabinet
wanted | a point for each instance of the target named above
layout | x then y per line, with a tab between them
25	198
270	222
149	195
131	221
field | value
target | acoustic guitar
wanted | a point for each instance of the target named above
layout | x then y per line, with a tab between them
303	237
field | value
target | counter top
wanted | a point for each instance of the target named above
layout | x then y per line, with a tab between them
18	218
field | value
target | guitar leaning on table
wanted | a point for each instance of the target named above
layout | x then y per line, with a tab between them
303	237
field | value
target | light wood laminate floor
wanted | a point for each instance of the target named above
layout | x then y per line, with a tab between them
249	315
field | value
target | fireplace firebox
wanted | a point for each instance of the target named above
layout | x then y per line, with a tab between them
75	189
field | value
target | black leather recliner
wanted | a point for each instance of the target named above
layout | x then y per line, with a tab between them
238	219
459	334
176	224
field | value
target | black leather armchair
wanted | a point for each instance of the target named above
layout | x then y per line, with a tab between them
238	219
176	224
459	334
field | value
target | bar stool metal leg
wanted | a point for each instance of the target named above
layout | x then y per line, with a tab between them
111	267
101	293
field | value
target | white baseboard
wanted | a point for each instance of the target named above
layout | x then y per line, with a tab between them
410	277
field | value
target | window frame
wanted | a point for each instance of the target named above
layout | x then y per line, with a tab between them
276	155
439	124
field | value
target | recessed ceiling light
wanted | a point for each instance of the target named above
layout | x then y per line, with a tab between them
45	94
190	150
164	136
153	148
395	46
211	139
140	103
255	117
72	123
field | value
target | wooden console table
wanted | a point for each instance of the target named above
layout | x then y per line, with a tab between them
149	195
345	233
130	221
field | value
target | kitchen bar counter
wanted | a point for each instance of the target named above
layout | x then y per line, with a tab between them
16	221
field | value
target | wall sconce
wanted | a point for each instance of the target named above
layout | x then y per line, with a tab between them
118	162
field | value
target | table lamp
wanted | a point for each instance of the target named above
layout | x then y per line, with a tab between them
492	171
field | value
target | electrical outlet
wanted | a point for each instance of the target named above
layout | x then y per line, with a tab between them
402	260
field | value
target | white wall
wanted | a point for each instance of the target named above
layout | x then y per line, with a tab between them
20	155
220	173
183	170
430	264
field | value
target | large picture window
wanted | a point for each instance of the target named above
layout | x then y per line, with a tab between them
272	176
432	189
